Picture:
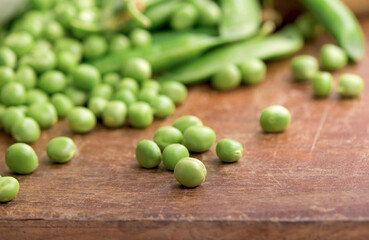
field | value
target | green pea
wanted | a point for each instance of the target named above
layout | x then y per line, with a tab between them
86	77
198	139
26	130
13	94
10	116
69	45
190	172
128	83
23	108
42	45
253	71
32	23
78	97
97	105
140	115
138	69
114	114
229	150
2	111
140	37
126	96
65	12
226	78
42	61
42	4
53	30
308	26
6	76
102	90
7	57
163	106
148	154
174	90
322	84
61	149
9	188
82	4
20	42
36	96
332	57
185	122
147	95
26	76
304	68
172	154
210	15
165	136
95	46
184	17
63	105
66	61
275	119
119	43
350	85
44	114
112	79
21	158
52	82
81	120
151	84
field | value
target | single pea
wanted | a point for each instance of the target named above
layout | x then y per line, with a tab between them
308	26
185	122
165	136
332	57
53	30
229	150
148	154
140	37
42	61
199	139
69	45
26	76
304	68
147	95
20	42
119	43
275	119
95	46
128	83
86	77
32	23
10	116
63	105
253	71
78	97
114	114
226	78
26	130
42	45
151	84
21	158
350	85
184	17
97	105
6	76
322	84
81	120
210	15
65	12
190	172
44	113
138	69
174	90
163	106
52	82
61	149
7	57
140	115
102	90
126	96
66	61
13	94
36	96
111	78
172	154
9	188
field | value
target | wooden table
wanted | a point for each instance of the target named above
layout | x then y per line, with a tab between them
310	182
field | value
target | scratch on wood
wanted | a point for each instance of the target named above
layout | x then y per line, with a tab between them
321	123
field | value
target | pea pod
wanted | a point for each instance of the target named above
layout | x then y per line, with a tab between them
281	44
241	18
341	23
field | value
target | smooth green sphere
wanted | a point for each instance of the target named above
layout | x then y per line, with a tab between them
9	188
332	57
304	68
198	139
322	84
114	114
140	115
190	172
229	150
26	130
44	113
172	154
81	120
13	94
86	77
275	119
350	85
148	154
21	158
61	149
253	71
138	69
185	122
226	78
165	136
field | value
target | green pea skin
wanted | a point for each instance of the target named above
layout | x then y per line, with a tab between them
322	84
184	17
63	105
52	82
97	105
226	78
67	62
44	114
2	110
163	106
81	120
65	12
20	42
78	97
42	4
10	116
61	149
209	13
165	136
253	71
95	46
42	60
175	91
148	154
147	95
36	96
140	38
21	158
138	69
102	90
308	26
69	45
114	114
26	130
112	79
119	43
190	172
275	119
6	76
86	77
53	30
140	115
26	76
332	57
172	154
13	94
229	150
304	68
129	83
7	57
9	188
350	85
126	96
198	139
185	122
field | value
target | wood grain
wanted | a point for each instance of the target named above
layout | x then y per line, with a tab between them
309	182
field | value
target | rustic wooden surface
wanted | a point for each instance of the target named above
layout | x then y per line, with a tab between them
310	182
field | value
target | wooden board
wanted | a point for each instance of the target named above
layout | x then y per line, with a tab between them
310	182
